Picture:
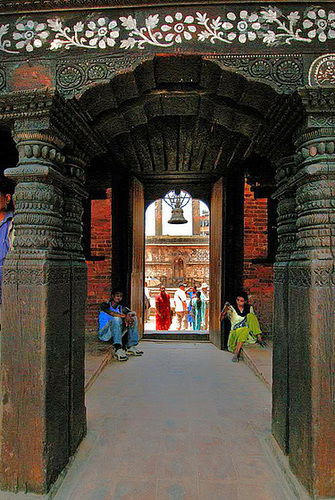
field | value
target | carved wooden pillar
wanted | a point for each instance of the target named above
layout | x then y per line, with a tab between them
311	298
42	360
286	227
74	195
35	343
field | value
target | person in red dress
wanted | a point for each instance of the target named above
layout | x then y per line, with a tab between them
163	310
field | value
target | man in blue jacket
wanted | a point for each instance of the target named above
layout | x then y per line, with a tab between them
6	226
114	321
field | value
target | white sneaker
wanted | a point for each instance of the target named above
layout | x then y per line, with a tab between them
121	355
134	351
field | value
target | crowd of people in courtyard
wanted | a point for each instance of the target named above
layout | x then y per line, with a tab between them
188	308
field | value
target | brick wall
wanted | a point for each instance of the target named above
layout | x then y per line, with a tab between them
100	263
258	277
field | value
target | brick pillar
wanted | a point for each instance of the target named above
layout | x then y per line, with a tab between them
257	269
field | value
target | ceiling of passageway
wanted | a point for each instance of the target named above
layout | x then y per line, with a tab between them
179	115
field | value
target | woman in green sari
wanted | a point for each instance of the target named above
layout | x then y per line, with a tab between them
244	325
198	305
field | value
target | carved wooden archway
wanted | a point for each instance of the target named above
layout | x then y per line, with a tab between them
47	261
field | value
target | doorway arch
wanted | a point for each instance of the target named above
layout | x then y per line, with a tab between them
181	118
185	120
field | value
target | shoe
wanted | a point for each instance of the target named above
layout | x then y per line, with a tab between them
263	344
134	351
235	359
121	355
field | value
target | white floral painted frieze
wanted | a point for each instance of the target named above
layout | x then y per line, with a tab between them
266	25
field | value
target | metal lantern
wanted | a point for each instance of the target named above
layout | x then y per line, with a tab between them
177	199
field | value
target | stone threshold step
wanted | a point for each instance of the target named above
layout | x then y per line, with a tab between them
199	337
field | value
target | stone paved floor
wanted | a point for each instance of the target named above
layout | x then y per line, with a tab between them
182	422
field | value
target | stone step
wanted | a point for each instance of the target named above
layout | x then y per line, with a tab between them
176	335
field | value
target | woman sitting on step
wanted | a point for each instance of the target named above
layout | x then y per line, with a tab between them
244	325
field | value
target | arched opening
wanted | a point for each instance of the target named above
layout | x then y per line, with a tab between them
184	120
176	253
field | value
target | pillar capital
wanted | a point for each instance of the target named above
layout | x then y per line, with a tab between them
45	116
314	181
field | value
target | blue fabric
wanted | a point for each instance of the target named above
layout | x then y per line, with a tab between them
114	328
4	243
117	309
240	324
103	319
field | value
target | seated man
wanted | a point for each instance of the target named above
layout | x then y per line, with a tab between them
114	321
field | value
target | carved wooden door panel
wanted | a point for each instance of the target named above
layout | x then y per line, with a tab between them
216	256
137	259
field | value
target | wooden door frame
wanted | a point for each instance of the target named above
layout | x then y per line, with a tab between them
137	237
216	262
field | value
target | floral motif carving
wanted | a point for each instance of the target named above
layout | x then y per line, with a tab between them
30	35
102	32
321	24
285	72
268	25
70	76
322	71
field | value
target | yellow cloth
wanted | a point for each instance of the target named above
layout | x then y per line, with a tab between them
245	334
